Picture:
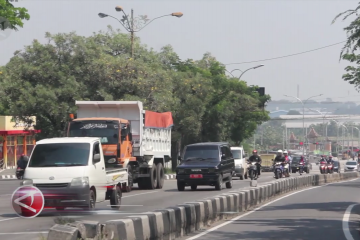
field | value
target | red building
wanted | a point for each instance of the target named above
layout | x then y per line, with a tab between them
15	139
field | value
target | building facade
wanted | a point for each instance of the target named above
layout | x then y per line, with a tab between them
15	139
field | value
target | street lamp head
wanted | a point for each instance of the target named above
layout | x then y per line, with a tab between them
258	66
177	14
119	8
102	15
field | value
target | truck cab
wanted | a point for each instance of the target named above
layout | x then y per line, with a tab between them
240	163
71	172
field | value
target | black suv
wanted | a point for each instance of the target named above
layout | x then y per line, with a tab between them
209	163
295	162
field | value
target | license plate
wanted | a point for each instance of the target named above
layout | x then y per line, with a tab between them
196	176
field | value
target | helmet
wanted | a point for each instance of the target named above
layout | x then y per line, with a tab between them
22	155
254	151
280	151
285	152
330	156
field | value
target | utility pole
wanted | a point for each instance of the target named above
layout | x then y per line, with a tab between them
132	33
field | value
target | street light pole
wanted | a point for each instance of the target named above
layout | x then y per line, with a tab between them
303	103
133	24
248	70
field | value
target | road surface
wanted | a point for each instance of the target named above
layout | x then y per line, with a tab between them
328	212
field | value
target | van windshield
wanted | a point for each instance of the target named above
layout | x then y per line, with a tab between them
60	155
107	131
202	153
351	163
236	154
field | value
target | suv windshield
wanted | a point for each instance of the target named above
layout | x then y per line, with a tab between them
202	152
296	159
60	154
236	154
107	131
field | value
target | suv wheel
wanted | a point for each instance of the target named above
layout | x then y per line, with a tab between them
229	183
180	186
219	182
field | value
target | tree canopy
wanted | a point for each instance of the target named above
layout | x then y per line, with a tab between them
350	50
44	80
12	17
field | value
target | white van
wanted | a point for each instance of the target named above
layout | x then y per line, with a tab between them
240	163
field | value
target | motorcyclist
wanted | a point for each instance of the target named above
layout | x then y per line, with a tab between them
256	158
280	158
330	160
22	162
323	159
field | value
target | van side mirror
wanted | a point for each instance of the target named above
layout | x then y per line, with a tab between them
96	158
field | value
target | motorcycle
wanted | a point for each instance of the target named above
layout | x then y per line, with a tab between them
301	168
278	170
253	174
323	168
286	170
330	168
19	173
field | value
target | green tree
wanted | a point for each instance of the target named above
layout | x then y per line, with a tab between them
12	17
349	50
206	105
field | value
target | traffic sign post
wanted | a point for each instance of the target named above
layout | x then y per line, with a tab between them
27	201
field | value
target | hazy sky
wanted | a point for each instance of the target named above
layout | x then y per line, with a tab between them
233	31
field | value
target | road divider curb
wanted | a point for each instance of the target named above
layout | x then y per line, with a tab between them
8	176
183	219
170	176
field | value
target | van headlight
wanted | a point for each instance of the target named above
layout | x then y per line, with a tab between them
27	182
79	182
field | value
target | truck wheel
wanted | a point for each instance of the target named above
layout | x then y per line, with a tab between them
129	185
180	186
115	198
152	180
141	183
160	176
219	182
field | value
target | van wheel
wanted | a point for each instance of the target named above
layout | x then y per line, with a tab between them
229	183
92	201
193	187
218	184
241	177
152	180
129	185
180	186
115	198
160	176
245	176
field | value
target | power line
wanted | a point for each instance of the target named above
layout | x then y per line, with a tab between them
290	55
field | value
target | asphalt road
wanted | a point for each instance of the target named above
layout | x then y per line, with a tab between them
135	202
311	214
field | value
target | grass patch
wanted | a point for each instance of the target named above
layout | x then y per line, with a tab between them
169	171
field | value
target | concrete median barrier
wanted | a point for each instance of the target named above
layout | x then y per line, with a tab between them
181	220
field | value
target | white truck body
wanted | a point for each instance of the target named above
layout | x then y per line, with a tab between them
63	180
154	142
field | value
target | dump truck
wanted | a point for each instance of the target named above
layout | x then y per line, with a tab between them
131	138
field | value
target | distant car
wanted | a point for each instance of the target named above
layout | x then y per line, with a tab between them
351	166
295	165
337	166
208	163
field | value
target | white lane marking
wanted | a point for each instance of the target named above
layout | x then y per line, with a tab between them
18	233
2	220
139	194
2	170
258	208
345	222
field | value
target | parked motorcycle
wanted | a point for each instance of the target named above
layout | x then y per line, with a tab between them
330	168
323	168
278	170
252	171
19	173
